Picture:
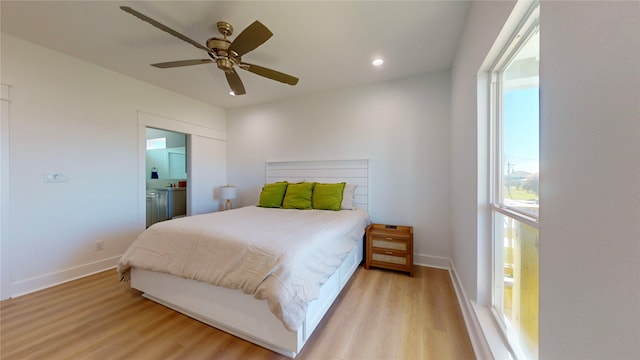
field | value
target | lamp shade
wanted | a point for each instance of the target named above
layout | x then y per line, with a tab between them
228	192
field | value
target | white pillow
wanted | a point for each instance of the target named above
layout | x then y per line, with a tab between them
348	197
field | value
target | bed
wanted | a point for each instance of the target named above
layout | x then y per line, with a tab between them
275	287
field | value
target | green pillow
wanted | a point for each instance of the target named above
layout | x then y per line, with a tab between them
328	196
272	194
298	196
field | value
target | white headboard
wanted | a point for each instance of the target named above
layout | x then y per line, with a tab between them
327	171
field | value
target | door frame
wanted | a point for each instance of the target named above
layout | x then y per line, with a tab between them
5	201
161	122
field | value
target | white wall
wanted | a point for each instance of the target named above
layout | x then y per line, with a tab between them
590	182
84	121
401	126
485	20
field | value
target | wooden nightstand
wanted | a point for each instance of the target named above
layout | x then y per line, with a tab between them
390	247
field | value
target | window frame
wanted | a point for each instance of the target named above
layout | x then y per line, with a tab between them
522	34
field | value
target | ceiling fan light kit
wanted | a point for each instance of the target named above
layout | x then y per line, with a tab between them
226	54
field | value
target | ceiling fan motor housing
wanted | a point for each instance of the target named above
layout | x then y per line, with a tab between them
219	47
225	64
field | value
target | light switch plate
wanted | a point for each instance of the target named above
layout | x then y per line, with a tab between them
54	177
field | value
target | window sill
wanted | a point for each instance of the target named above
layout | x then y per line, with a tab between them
499	346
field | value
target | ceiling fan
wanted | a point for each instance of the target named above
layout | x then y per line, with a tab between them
226	54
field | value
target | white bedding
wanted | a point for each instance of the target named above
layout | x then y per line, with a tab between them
281	255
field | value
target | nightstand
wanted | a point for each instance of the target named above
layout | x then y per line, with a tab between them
389	247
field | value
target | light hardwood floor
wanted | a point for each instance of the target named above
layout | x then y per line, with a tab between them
380	315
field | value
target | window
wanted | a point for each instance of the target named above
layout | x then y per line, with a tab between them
158	143
515	187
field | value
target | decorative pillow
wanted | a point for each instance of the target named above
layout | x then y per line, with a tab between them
328	196
272	194
298	196
348	197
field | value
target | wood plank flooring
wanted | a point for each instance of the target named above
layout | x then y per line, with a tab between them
380	315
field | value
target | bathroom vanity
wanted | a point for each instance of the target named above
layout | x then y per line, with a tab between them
166	203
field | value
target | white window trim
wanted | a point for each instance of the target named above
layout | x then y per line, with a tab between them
524	30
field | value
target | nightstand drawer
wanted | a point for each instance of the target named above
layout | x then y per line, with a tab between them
389	244
390	259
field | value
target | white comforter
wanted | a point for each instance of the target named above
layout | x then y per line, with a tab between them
280	255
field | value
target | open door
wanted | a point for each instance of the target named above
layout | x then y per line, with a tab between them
165	175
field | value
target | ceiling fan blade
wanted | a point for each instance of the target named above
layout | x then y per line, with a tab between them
250	38
163	27
269	73
172	64
235	83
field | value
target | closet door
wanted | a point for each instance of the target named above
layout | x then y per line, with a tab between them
208	171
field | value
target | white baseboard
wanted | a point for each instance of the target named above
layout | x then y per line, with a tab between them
437	262
41	282
476	334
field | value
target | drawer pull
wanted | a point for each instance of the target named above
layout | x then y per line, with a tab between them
388	252
388	238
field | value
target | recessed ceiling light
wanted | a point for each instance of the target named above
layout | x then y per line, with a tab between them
232	93
377	62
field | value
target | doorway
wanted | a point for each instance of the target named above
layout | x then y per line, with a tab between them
166	174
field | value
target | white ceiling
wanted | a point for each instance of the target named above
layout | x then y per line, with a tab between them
327	44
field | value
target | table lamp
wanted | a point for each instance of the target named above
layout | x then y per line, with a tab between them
228	193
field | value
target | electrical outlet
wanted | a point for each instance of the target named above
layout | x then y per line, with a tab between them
99	245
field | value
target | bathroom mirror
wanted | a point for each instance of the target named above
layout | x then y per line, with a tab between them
166	156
